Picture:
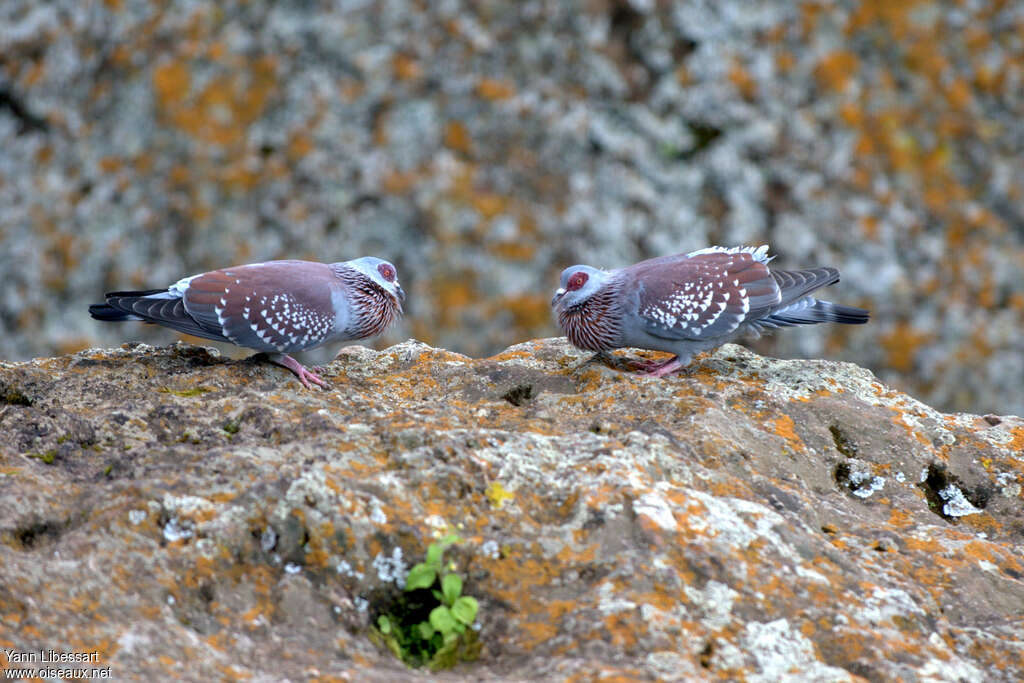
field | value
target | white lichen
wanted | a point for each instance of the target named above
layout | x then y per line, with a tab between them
656	508
137	517
956	504
863	484
268	539
345	569
391	569
178	530
377	516
785	654
490	549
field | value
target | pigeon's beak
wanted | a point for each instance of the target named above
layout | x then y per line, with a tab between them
559	293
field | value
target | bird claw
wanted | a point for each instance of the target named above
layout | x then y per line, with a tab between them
316	379
305	376
658	368
649	368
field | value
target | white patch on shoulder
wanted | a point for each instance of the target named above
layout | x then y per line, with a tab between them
760	253
179	287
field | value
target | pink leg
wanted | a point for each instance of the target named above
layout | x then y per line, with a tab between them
304	375
661	369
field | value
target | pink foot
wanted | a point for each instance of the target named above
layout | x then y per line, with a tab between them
304	375
658	369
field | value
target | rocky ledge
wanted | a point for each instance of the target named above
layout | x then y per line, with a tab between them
185	515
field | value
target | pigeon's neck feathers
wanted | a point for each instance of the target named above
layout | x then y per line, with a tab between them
596	323
363	308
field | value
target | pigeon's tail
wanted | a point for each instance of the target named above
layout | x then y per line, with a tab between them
108	313
810	311
159	306
794	285
115	309
798	308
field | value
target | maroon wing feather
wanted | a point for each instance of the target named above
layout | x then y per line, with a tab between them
702	296
275	306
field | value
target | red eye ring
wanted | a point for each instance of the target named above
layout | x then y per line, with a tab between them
576	281
387	272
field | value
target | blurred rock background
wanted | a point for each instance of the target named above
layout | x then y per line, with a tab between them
483	146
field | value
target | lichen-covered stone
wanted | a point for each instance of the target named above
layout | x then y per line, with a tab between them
191	516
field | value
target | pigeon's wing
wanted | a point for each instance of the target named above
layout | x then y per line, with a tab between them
281	306
702	296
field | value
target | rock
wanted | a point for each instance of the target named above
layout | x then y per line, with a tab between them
186	515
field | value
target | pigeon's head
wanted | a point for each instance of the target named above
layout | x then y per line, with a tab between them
383	274
578	284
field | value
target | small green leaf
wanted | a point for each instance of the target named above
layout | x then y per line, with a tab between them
450	539
465	609
437	595
451	587
384	624
434	555
436	549
420	576
426	630
441	618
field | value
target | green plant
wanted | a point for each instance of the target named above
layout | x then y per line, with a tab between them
48	457
430	623
185	393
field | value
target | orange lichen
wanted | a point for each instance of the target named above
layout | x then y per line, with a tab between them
489	204
901	344
456	137
1017	442
529	312
786	428
837	69
533	633
493	89
171	83
514	250
743	80
406	68
300	145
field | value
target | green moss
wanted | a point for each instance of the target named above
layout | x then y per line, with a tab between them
188	437
185	393
48	457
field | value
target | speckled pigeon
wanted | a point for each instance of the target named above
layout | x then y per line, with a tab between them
277	307
688	303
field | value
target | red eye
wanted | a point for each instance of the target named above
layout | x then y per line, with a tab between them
576	281
386	272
